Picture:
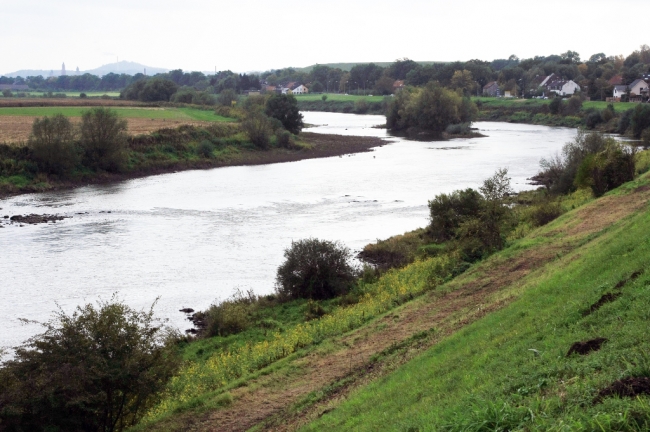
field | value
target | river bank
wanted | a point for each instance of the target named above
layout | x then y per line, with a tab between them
171	158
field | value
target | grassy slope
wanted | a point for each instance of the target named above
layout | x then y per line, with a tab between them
486	377
153	113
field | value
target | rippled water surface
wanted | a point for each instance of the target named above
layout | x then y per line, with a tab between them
194	236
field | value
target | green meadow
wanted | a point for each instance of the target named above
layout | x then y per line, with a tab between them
126	112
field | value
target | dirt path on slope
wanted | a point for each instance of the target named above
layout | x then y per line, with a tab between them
480	291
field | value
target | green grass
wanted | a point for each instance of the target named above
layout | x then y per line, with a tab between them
515	103
486	377
338	97
152	113
72	93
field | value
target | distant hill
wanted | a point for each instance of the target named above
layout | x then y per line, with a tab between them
126	67
348	66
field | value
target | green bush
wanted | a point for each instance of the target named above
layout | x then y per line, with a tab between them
606	170
7	93
556	106
232	315
98	369
545	212
315	269
103	139
640	119
258	128
448	211
227	97
284	139
205	149
52	143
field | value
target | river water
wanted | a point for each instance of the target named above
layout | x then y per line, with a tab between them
193	237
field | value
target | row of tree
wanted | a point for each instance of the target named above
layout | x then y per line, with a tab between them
115	82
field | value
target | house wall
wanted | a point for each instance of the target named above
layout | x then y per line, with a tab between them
570	88
640	88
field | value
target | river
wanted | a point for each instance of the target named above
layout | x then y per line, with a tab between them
193	237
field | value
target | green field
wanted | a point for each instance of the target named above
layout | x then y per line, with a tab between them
147	113
73	93
512	102
336	97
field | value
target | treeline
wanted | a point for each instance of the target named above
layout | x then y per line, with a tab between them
513	74
115	82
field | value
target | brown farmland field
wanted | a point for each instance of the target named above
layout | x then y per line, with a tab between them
67	102
16	129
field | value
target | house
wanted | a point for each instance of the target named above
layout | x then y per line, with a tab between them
562	87
286	90
619	90
491	89
616	80
638	88
398	85
301	89
15	87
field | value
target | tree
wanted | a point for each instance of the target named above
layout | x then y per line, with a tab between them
52	143
258	128
103	139
97	369
384	85
429	109
317	87
315	269
158	90
463	81
227	97
285	109
640	119
400	68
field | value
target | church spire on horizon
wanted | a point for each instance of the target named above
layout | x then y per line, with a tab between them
63	69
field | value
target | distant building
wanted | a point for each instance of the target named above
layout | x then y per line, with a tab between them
619	90
78	70
63	69
398	85
562	87
638	88
301	89
491	89
616	80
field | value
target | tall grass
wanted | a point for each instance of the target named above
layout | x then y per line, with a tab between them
223	368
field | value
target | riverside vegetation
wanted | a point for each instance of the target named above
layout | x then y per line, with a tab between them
60	153
248	338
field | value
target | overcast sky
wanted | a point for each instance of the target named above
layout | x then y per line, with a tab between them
246	35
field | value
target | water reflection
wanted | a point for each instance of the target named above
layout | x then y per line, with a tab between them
194	236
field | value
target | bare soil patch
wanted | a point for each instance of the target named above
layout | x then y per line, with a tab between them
604	299
626	387
584	348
